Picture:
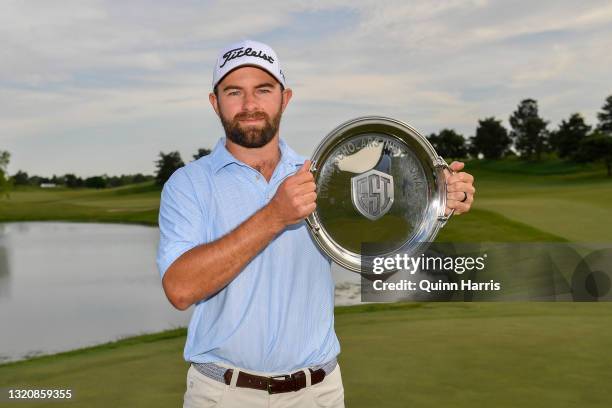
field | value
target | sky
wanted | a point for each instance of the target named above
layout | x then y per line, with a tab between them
97	86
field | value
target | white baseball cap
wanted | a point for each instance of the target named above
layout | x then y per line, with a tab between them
247	52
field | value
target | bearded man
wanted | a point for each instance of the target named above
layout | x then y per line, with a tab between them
234	244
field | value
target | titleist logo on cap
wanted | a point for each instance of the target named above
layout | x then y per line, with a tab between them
247	52
241	52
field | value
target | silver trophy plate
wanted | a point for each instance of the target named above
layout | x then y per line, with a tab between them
380	185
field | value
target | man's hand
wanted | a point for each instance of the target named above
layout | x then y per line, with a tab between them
295	197
459	185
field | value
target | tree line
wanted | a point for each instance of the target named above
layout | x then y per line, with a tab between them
530	139
166	165
21	178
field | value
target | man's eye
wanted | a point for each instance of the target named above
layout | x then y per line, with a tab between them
233	93
264	91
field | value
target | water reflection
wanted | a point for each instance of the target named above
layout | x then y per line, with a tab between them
5	276
70	285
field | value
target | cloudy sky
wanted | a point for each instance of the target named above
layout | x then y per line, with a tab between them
93	87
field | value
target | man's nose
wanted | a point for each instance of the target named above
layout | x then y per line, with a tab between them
249	103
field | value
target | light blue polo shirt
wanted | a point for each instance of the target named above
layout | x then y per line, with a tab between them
277	315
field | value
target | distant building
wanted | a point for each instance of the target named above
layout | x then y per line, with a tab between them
48	185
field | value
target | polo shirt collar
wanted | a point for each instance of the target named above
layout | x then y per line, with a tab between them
221	157
288	155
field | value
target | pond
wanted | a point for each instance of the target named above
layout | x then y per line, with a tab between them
69	285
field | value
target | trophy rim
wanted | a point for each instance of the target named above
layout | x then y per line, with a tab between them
434	214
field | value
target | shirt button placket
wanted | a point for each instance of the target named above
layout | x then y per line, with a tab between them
262	187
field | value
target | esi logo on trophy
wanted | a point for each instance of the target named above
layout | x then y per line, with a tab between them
372	193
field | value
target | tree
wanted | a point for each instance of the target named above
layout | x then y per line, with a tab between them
449	144
21	178
73	181
605	117
35	180
566	140
166	165
201	153
491	139
5	182
116	181
96	182
58	180
528	130
597	147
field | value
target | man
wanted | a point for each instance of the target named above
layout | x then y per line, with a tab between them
233	243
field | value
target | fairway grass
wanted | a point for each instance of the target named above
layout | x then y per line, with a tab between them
140	204
393	355
549	201
565	200
137	204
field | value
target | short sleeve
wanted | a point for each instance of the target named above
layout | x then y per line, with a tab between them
181	222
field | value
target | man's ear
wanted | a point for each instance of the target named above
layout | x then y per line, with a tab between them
214	102
287	94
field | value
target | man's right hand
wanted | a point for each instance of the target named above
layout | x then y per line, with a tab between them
295	197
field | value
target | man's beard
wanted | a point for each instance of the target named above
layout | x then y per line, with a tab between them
251	136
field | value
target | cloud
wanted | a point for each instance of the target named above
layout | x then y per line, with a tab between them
118	67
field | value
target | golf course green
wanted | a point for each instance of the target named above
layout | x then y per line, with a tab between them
500	354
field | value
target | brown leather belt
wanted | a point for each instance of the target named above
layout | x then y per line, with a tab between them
276	384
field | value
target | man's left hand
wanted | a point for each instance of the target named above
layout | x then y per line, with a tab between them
459	187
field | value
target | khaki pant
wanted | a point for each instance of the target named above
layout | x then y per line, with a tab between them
204	392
